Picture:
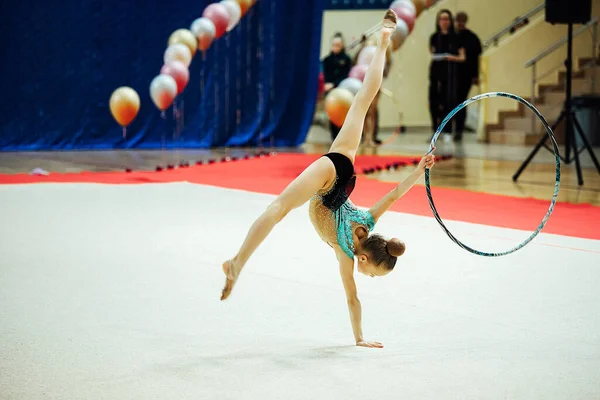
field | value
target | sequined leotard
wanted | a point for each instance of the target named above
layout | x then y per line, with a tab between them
332	213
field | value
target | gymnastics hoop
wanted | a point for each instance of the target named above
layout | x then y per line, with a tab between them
556	185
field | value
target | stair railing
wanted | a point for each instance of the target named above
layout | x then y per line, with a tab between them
514	25
592	26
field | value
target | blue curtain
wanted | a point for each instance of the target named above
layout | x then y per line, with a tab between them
60	62
357	4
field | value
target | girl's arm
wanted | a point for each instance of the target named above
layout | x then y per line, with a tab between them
386	202
347	274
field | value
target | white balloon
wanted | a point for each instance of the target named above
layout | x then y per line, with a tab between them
400	34
351	84
404	3
203	26
163	90
178	52
204	29
234	11
402	27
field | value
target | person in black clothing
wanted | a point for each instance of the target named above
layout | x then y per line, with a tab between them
443	73
468	72
336	68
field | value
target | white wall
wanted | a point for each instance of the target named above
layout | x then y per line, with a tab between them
408	79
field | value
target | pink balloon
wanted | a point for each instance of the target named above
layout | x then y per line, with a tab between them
218	14
408	16
366	55
179	72
398	4
358	71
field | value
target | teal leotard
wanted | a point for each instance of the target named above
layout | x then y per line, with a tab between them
344	217
337	201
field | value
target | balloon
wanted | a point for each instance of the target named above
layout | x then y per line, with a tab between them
366	55
163	90
205	32
124	105
218	14
244	5
177	71
337	104
403	3
178	52
419	6
351	84
407	16
358	72
399	35
234	11
185	37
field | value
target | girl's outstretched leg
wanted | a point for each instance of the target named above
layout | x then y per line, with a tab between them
348	140
319	175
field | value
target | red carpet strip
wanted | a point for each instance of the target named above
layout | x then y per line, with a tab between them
272	174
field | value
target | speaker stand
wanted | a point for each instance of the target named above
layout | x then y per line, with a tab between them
571	122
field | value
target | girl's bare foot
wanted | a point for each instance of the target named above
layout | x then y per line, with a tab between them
231	271
388	27
390	19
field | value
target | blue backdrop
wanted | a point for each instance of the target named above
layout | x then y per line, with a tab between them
357	4
60	62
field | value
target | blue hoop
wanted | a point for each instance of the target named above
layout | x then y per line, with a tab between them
556	186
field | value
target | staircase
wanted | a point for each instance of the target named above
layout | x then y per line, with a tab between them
521	127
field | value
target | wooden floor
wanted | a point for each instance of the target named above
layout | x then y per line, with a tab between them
474	166
486	168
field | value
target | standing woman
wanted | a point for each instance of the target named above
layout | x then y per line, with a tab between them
443	74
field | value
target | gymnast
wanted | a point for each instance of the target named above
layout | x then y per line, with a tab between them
327	184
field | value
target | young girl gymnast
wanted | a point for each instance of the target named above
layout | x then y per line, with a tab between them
327	184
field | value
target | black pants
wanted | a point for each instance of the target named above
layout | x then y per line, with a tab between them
462	92
441	102
376	126
335	130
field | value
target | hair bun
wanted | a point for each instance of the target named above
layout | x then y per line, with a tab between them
395	247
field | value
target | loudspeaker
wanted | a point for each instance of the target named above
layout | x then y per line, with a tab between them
568	12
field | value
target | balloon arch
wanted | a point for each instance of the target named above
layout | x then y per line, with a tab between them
182	46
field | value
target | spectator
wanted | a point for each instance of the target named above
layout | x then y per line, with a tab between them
468	72
444	43
336	67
